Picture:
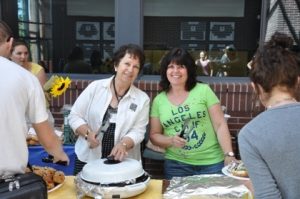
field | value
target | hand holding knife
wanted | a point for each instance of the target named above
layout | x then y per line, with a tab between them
50	159
186	129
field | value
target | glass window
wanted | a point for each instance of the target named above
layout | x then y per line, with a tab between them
228	31
35	27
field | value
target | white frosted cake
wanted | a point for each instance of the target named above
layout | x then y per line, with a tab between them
98	171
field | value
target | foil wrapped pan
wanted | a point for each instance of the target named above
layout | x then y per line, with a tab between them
206	187
96	191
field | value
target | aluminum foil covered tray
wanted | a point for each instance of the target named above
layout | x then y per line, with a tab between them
107	178
206	187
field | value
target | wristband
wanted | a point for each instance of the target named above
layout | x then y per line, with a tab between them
86	134
229	154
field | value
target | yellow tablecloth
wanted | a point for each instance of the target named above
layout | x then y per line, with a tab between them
67	190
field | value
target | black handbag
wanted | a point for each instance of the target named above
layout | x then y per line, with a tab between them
23	186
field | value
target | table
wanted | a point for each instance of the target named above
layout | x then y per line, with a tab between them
36	153
68	191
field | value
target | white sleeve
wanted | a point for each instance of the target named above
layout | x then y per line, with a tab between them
36	110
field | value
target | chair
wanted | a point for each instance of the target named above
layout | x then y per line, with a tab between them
149	153
153	161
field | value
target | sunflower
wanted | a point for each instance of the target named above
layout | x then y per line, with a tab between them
59	86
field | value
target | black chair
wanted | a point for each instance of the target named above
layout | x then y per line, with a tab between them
149	153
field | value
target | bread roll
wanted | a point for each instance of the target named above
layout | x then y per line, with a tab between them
58	177
240	173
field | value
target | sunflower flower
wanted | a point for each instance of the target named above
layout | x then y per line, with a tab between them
59	85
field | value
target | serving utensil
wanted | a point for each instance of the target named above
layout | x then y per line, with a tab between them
186	129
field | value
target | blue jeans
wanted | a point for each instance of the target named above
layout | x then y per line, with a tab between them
174	168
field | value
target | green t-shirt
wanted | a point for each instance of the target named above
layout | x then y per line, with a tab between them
202	146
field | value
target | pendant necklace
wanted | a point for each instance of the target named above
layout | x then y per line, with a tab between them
288	100
119	97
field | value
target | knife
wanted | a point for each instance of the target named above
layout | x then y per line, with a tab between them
185	129
50	159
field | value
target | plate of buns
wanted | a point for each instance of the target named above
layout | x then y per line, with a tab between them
237	170
53	178
32	140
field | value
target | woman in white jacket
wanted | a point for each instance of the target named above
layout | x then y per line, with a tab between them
110	116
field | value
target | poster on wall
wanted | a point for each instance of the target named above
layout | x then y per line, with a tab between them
221	31
108	30
87	30
193	31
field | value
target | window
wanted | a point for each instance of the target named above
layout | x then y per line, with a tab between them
35	27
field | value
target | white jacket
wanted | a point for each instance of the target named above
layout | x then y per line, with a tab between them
90	107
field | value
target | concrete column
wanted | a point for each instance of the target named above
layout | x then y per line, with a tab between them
129	17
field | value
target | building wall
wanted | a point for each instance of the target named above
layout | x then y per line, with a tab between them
277	22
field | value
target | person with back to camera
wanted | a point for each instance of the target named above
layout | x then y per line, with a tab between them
96	62
228	61
20	54
110	115
204	63
23	98
269	144
76	63
203	149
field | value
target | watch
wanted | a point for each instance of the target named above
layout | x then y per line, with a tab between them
229	154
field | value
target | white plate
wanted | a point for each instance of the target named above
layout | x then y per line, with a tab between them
226	172
56	187
58	132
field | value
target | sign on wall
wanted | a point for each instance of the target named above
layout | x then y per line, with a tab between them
108	30
193	31
193	46
87	30
217	47
221	31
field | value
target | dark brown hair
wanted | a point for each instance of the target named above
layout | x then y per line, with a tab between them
133	50
18	42
275	64
179	56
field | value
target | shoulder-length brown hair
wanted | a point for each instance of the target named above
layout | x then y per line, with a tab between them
179	56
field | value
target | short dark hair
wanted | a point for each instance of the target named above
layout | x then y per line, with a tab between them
182	57
5	32
19	42
132	49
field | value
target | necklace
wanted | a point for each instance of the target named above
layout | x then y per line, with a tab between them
119	97
287	100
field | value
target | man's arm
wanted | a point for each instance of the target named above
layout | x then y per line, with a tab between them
50	141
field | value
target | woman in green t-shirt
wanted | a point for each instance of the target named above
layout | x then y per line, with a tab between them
185	105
